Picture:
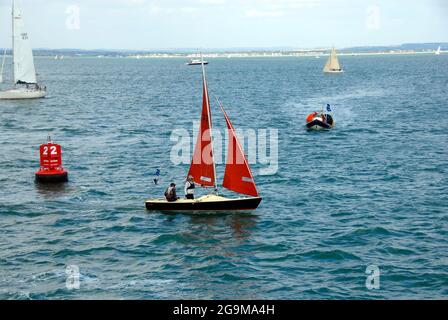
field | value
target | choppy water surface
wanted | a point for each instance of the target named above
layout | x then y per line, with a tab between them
373	191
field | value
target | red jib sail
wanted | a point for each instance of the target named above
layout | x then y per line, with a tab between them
203	165
237	177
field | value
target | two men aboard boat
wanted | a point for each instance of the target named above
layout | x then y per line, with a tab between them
171	195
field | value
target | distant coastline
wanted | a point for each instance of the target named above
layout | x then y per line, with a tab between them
241	55
403	49
276	54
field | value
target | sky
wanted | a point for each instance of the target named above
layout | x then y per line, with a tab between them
169	24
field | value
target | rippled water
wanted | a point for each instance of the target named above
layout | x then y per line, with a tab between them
373	191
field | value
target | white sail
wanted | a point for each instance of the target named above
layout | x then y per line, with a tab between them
438	50
332	62
24	70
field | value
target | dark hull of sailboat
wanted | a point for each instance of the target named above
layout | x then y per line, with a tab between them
334	71
318	125
223	205
196	63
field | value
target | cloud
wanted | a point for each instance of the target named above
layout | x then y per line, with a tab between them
212	2
269	9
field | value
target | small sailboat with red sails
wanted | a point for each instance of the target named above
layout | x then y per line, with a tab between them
237	177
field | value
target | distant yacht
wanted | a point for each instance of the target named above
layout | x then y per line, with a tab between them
24	73
332	65
195	62
438	50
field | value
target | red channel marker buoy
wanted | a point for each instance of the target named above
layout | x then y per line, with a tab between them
51	170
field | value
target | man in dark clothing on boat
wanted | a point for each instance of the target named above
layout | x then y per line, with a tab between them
324	117
170	193
189	188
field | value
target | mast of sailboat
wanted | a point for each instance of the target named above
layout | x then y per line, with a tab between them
332	57
12	52
209	120
3	65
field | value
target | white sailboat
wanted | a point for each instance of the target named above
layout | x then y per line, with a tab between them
332	65
195	62
24	73
438	50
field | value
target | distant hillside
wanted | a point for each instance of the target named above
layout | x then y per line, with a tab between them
402	47
183	51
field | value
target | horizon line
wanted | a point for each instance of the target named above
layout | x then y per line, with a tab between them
240	48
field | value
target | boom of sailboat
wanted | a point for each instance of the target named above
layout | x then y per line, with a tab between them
25	84
237	177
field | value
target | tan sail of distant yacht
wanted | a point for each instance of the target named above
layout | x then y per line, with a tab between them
332	65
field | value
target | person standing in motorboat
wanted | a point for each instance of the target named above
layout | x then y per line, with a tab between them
189	188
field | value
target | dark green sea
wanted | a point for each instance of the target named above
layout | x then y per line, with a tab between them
371	192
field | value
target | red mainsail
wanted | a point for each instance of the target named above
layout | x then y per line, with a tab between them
237	177
203	165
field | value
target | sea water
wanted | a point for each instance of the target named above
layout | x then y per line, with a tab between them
372	194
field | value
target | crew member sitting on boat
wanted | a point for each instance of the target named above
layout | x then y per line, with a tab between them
170	193
189	188
324	119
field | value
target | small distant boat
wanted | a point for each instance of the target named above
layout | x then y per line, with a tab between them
438	51
24	73
195	62
332	65
320	120
237	177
